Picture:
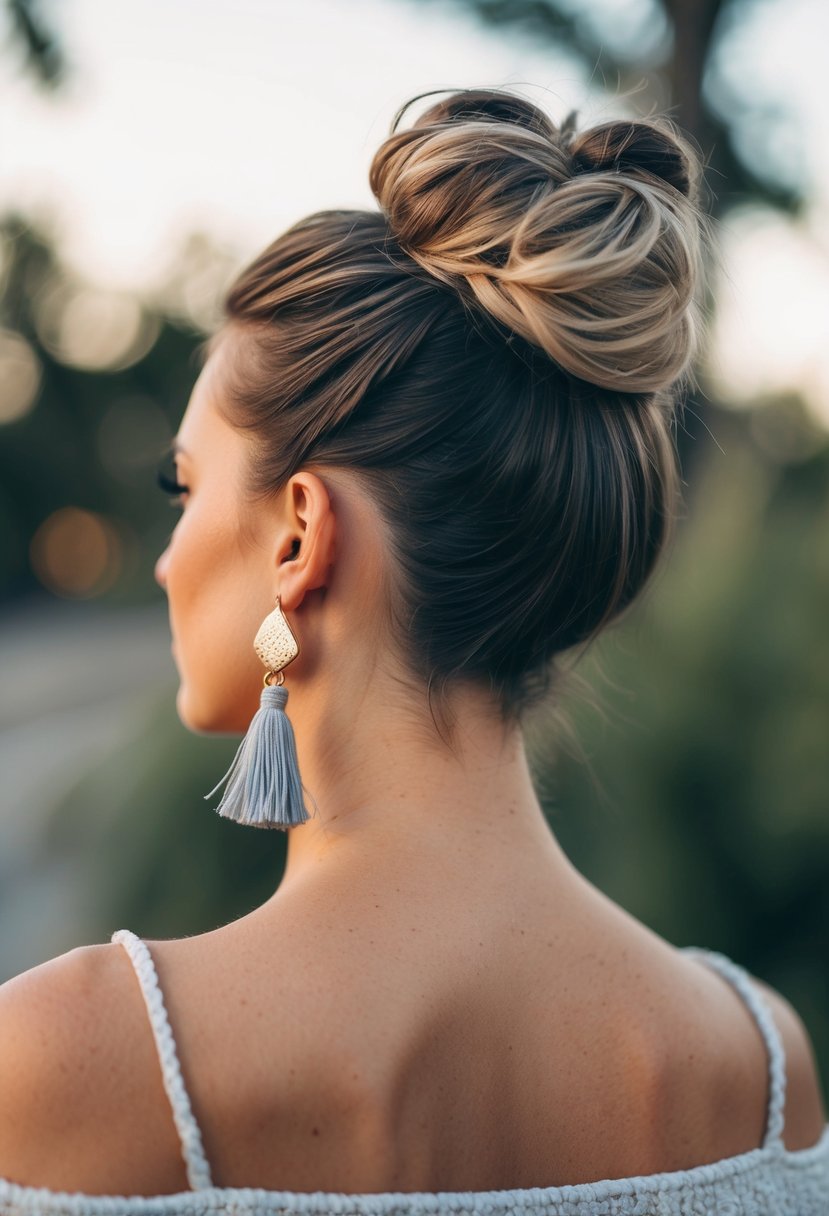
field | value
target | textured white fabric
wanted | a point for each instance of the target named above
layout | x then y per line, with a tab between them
768	1181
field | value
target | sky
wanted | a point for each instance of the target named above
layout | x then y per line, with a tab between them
237	118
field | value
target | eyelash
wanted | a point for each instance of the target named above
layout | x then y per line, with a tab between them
171	487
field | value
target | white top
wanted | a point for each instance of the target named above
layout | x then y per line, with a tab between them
767	1181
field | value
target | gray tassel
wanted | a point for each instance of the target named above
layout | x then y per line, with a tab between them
264	789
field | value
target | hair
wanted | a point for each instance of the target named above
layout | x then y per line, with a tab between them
497	353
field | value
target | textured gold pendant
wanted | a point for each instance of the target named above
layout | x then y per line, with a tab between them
275	643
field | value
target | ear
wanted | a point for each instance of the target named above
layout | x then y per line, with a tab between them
306	552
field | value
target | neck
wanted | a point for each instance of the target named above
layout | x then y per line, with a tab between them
386	784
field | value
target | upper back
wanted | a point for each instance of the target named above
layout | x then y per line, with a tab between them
536	1063
509	1058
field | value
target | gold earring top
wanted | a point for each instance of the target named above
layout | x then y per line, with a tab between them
275	642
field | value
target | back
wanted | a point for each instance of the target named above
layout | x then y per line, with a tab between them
531	1041
760	1178
436	1066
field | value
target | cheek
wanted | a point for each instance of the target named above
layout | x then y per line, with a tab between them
184	565
214	596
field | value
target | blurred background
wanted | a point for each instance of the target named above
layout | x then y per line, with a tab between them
146	152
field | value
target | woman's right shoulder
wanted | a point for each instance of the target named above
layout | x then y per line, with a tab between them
59	994
51	1020
73	1042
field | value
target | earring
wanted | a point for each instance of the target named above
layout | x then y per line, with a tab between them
264	789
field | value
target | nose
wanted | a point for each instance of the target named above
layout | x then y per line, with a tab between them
161	569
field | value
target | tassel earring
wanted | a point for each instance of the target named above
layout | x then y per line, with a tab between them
264	789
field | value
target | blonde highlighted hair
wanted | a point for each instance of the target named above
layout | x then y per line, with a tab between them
586	245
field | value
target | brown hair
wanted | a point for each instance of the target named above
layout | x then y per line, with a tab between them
497	354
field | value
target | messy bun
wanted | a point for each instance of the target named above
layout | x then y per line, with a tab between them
495	356
586	246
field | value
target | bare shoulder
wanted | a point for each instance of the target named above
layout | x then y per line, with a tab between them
77	1073
805	1108
48	1015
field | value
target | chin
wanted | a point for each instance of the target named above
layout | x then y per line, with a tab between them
202	717
195	715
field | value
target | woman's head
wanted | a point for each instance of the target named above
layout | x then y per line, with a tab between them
489	364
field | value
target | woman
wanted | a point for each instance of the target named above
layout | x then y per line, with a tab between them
429	452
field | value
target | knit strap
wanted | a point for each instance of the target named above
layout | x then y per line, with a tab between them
739	978
192	1148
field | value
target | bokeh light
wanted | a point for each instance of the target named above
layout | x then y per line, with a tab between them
92	329
76	553
20	376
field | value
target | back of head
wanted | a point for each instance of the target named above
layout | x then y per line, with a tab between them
497	353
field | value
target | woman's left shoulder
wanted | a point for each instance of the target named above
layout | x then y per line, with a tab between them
805	1109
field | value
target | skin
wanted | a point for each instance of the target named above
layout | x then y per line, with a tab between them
433	998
